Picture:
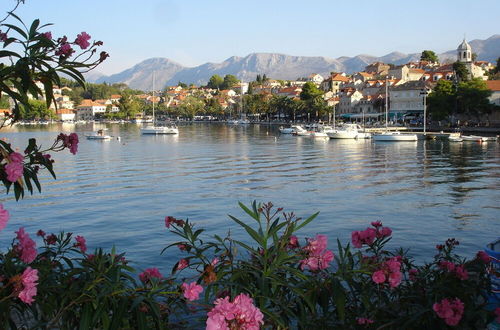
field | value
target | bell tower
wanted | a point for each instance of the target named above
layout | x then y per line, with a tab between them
464	52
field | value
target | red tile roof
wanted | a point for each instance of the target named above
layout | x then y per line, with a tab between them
494	85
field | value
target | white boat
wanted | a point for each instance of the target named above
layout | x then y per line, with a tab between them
455	138
475	138
290	130
154	129
98	135
318	134
168	129
233	122
488	138
346	131
394	136
301	131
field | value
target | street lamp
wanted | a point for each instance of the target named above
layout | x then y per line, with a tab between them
424	92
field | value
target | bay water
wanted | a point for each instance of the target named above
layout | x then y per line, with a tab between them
118	192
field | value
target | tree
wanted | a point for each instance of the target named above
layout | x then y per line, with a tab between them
215	82
429	56
473	98
181	84
441	102
128	105
461	71
229	81
474	57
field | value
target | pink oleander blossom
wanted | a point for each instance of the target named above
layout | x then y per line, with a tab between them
366	236
239	314
183	263
29	280
14	171
413	274
449	310
317	256
293	242
81	243
378	277
390	271
214	261
51	239
3	36
47	35
82	40
4	217
16	157
169	221
497	313
148	274
191	291
65	50
483	256
73	140
26	247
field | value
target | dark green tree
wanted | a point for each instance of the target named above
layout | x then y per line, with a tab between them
473	98
229	81
461	71
181	84
129	105
37	110
430	56
441	102
215	82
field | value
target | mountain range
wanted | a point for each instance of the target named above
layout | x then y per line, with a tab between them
275	66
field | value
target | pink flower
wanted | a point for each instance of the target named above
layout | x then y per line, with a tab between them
28	279
378	277
376	224
385	231
317	256
182	247
26	246
3	36
81	243
364	321
82	40
16	157
390	271
191	291
47	35
447	265
14	171
4	217
169	220
183	263
148	274
483	256
461	272
73	140
497	313
449	310
366	236
65	50
51	239
239	314
215	261
293	242
40	233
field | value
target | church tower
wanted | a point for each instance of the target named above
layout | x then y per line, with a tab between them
464	52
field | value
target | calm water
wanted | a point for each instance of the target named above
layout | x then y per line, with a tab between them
118	192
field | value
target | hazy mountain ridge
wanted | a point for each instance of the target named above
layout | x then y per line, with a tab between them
276	66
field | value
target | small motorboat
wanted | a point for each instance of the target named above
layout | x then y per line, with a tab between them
488	138
394	136
98	135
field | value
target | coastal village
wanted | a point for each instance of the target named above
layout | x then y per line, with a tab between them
354	97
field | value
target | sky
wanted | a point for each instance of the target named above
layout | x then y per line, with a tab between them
193	32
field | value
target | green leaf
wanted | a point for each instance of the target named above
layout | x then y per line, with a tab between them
33	28
6	53
17	29
250	231
253	214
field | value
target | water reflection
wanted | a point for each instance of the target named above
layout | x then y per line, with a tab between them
118	192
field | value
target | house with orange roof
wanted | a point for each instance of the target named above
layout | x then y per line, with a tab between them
408	98
363	76
88	109
66	114
494	86
333	82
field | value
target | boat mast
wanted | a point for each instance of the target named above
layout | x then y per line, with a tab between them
154	98
386	105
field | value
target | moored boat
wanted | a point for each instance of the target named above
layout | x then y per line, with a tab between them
98	135
394	136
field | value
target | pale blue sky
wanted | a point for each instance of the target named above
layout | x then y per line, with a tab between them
199	31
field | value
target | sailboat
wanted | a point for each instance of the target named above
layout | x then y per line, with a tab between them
154	129
391	136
